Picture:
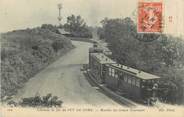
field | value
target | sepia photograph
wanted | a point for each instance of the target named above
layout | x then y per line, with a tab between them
91	58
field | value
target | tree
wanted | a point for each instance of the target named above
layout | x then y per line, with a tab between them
154	53
74	23
77	26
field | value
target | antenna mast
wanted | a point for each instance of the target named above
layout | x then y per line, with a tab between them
59	17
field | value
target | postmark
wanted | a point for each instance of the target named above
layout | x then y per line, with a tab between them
149	17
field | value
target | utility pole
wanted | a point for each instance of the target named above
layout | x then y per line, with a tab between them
59	17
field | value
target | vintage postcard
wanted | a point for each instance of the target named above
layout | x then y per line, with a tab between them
92	58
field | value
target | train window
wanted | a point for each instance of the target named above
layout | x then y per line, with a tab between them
129	80
138	83
125	78
109	71
116	74
120	75
133	81
113	72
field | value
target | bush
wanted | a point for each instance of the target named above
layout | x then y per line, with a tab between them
50	27
57	45
45	101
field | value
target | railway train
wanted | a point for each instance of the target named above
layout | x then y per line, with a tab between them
126	81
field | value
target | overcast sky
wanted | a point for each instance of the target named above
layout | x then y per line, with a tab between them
25	13
18	14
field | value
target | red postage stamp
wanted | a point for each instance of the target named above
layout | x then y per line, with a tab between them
149	17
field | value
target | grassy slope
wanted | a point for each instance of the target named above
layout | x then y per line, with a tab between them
25	52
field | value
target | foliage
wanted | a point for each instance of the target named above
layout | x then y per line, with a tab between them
57	45
50	27
25	52
45	101
38	101
77	26
154	53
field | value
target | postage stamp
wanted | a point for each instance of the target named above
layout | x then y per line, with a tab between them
149	17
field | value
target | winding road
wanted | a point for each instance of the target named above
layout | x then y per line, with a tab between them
64	79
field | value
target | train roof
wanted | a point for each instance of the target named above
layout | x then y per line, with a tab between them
102	58
140	74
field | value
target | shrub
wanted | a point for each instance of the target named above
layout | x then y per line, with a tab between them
57	45
45	101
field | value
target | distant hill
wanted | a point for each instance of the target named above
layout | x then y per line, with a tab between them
25	52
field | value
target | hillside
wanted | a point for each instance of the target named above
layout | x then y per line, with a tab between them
159	54
25	52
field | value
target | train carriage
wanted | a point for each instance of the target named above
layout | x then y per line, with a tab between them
97	60
97	63
124	80
130	82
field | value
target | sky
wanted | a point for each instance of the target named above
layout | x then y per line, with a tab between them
20	14
30	13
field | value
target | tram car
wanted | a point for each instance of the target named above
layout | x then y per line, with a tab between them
97	66
130	82
126	81
97	60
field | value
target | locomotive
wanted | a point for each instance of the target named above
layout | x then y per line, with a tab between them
128	82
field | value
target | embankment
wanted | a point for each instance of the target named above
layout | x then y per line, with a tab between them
24	53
